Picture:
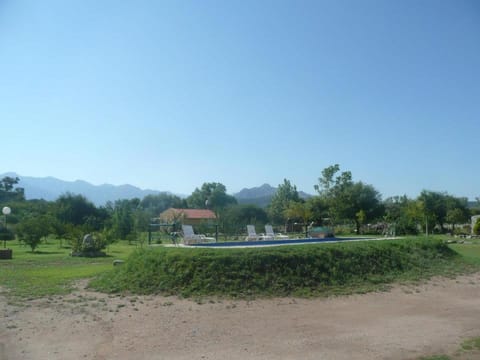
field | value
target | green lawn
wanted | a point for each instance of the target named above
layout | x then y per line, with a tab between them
470	252
51	269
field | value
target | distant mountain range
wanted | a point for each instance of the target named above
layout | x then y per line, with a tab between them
50	188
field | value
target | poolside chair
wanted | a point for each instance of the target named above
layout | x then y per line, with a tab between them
252	235
270	235
190	237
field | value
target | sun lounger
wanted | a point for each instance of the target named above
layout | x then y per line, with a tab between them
251	234
271	235
189	237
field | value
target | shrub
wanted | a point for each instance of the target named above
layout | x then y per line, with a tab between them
476	227
90	245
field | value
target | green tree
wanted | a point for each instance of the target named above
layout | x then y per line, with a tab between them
74	209
335	191
365	204
285	194
319	209
458	211
9	191
212	196
156	204
246	214
348	200
123	220
299	211
236	217
6	234
32	230
456	216
440	208
403	214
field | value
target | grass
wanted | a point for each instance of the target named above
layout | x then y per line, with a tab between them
469	349
341	269
302	270
469	252
471	344
51	270
309	270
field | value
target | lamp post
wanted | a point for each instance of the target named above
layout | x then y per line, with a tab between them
6	211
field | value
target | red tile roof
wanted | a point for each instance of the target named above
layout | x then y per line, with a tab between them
196	213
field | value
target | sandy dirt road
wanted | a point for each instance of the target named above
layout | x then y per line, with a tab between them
403	323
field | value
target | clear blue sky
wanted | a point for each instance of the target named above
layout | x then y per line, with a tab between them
171	94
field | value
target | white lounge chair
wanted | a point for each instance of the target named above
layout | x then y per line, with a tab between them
189	237
252	235
271	235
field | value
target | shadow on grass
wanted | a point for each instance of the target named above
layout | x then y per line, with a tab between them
38	252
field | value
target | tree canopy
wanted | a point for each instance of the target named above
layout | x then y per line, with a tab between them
10	192
340	202
285	194
211	196
348	200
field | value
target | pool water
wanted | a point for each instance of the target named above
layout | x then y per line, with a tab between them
230	244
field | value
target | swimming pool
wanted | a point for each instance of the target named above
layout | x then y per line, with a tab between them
233	244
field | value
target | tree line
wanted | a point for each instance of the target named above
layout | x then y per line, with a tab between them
340	203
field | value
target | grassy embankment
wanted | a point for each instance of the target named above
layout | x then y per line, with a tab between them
302	270
295	270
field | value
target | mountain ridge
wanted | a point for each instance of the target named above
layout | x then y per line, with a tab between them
50	188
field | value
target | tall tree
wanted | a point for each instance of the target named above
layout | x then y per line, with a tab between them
335	191
440	208
365	204
402	214
212	196
285	194
155	204
123	217
348	200
10	192
457	210
74	209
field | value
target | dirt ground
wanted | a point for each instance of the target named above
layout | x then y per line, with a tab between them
403	323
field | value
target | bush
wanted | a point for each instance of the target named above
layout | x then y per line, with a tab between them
90	245
476	227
